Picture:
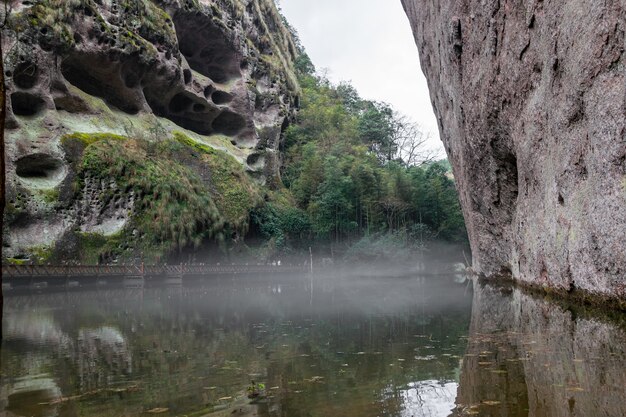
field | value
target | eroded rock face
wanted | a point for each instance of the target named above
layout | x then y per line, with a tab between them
531	102
220	71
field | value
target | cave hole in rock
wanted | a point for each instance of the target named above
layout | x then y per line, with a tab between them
131	79
208	90
180	103
511	164
506	190
508	183
229	123
186	109
70	104
221	97
206	47
256	160
40	170
26	104
82	72
217	74
26	75
187	75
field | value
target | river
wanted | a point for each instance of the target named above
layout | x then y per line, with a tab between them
340	345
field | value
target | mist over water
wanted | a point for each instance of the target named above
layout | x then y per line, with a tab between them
355	342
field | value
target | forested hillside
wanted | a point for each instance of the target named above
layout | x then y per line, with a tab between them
358	176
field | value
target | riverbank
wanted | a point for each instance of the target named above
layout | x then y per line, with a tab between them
578	301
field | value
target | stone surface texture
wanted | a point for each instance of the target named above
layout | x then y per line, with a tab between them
220	71
531	103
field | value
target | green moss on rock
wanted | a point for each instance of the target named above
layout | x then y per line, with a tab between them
173	208
87	139
184	193
233	192
16	261
142	24
95	248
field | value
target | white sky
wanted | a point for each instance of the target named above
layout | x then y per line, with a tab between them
370	44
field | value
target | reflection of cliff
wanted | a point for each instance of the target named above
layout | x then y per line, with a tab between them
25	396
98	353
37	328
101	353
530	357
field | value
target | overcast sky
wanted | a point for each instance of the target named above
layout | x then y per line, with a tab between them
367	42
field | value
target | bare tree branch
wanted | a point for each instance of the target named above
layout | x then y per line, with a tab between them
411	142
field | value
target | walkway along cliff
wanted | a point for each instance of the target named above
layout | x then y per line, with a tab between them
531	102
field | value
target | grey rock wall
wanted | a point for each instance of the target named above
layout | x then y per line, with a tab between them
531	102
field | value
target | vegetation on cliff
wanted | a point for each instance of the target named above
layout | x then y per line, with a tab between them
183	193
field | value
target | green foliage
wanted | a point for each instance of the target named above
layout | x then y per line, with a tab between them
149	21
304	65
94	247
342	168
286	225
52	18
184	192
142	24
232	190
50	196
376	129
40	254
381	247
173	207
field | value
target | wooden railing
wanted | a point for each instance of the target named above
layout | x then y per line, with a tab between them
77	271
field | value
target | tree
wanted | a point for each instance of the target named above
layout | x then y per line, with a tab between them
391	135
349	96
358	168
303	64
332	206
377	131
411	142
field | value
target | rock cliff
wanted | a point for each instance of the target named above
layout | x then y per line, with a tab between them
531	102
132	125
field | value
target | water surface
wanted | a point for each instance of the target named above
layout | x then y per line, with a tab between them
335	346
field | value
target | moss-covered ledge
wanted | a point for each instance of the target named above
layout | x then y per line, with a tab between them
572	299
179	193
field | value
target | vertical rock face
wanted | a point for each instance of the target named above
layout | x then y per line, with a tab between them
531	103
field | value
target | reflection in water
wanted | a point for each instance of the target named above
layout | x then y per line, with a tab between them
99	350
529	357
338	346
429	398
